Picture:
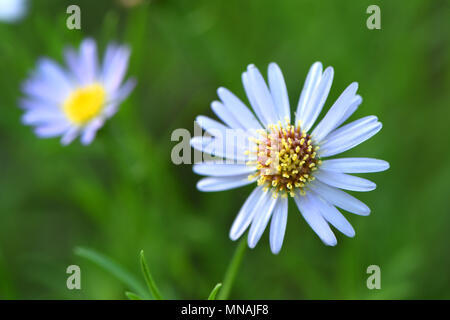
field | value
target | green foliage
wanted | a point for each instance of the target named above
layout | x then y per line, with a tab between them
213	294
123	193
149	279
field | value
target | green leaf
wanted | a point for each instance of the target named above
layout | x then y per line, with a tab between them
212	295
132	296
113	268
149	279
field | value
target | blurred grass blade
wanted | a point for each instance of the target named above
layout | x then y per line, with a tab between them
113	268
232	270
149	279
132	296
212	295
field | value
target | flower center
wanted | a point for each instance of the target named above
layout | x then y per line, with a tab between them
286	159
85	103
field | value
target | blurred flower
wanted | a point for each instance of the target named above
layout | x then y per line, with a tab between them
12	10
77	101
285	159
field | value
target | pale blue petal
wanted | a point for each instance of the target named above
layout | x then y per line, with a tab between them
339	198
278	225
336	113
333	216
215	169
279	93
238	109
354	165
114	67
315	220
350	136
229	149
261	220
49	83
42	116
212	184
88	61
345	181
318	99
90	131
261	95
211	126
251	98
247	213
123	91
52	130
356	101
311	83
225	115
70	135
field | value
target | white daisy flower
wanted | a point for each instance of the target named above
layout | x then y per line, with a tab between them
287	159
77	101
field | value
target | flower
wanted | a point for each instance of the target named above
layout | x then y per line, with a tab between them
12	10
286	159
77	101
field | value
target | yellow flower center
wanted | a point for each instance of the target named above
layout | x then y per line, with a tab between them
286	159
85	103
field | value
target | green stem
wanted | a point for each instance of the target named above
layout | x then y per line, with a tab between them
212	295
149	279
232	270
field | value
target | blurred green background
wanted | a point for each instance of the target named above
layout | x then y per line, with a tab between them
123	194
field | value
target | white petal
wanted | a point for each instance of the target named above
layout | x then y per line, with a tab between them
333	216
222	169
336	113
212	184
339	198
238	109
124	90
30	104
90	131
278	225
350	136
345	181
111	109
229	149
356	101
318	99
73	62
211	126
42	116
88	60
49	83
262	95
354	165
52	130
114	67
351	127
246	214
69	136
261	219
315	220
279	93
252	99
311	83
225	115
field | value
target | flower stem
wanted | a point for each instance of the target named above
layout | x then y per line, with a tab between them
149	279
232	270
